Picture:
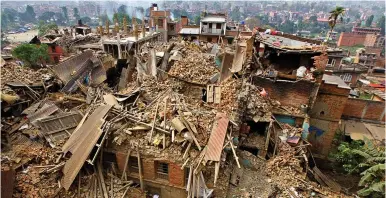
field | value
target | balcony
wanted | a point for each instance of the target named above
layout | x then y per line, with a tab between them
212	31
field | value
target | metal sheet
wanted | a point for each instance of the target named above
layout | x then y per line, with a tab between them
217	137
56	128
43	112
84	141
66	69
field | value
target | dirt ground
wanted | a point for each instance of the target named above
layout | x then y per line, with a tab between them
22	37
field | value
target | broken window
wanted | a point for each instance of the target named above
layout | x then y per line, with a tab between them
162	170
213	94
133	165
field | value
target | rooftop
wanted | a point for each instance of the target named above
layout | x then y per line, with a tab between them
190	31
218	19
130	39
335	80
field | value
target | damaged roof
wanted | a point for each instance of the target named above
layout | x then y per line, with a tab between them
335	80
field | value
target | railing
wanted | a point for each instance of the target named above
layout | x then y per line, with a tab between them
211	31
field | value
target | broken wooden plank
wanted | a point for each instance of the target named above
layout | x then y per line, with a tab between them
124	175
140	170
155	117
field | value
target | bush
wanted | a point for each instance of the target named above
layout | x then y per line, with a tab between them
31	54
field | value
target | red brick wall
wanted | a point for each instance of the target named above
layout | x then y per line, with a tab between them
176	175
322	133
351	39
184	20
58	52
364	109
287	93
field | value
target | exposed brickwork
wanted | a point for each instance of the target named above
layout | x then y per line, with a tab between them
287	93
121	157
148	168
364	109
325	116
351	39
176	175
184	21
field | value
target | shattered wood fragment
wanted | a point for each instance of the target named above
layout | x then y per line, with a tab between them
155	117
124	174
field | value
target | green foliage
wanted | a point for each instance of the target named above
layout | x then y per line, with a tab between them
29	15
65	12
122	9
4	21
197	20
369	159
369	21
46	16
86	20
76	13
313	19
381	24
43	27
235	13
31	54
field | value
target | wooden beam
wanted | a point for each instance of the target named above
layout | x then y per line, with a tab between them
124	175
153	125
140	169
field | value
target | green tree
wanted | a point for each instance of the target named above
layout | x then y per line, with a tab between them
140	10
4	21
30	12
76	13
11	14
287	27
31	54
197	20
60	19
368	160
43	27
334	15
313	19
381	24
235	14
28	16
369	21
122	9
65	12
85	20
46	16
252	22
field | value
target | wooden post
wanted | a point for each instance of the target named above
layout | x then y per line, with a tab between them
140	169
155	117
124	175
216	170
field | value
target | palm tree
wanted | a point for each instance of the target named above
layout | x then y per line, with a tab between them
334	15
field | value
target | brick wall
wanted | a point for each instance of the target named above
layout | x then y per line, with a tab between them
325	116
286	92
351	39
370	40
176	175
184	21
365	109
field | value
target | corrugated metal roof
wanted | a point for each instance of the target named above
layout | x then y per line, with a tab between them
66	69
217	137
216	19
190	31
335	80
81	144
358	130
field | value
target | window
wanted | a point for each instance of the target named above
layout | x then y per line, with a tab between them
160	23
346	77
210	25
133	165
218	26
162	170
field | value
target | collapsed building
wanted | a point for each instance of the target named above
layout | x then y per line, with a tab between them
132	116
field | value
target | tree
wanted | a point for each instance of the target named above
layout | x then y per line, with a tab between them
65	12
59	18
369	21
235	13
253	22
30	12
43	27
313	19
10	14
4	21
368	159
197	19
46	16
28	16
140	10
76	13
334	15
86	20
381	24
348	20
122	9
31	54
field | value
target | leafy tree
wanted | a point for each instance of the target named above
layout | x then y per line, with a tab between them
43	27
4	21
46	16
313	19
60	19
381	24
86	20
31	54
65	12
357	16
334	15
76	14
104	18
287	27
30	12
235	13
369	21
10	14
197	19
140	10
29	15
122	9
368	159
253	22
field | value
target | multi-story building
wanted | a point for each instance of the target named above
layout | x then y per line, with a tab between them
366	30
212	27
374	40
